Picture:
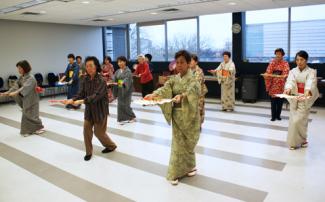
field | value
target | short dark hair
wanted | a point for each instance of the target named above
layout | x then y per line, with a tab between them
149	56
71	56
24	64
96	62
226	53
79	57
185	54
302	54
122	58
279	50
195	57
108	58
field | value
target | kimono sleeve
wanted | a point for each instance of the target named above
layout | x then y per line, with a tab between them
28	86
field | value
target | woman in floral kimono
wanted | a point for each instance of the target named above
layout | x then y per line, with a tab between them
25	95
108	73
302	82
226	77
123	92
184	115
275	85
199	75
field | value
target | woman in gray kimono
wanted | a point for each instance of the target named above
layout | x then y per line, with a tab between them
24	93
301	82
123	91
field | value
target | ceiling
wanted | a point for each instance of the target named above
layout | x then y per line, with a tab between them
115	12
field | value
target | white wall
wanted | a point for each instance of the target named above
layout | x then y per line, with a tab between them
45	45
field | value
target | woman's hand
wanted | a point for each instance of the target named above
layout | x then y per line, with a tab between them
177	98
150	97
287	91
13	94
78	102
212	71
4	94
67	102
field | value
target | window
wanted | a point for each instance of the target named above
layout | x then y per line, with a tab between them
215	36
152	40
115	39
181	34
266	30
308	32
133	41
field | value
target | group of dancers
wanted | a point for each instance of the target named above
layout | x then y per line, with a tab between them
99	85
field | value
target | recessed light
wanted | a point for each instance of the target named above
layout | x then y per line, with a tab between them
42	12
85	2
154	13
120	12
232	3
110	19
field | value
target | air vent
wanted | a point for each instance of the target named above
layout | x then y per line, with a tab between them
31	13
170	10
99	20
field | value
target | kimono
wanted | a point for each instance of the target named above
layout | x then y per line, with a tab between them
28	100
185	119
226	77
123	92
108	73
275	85
72	73
199	75
298	82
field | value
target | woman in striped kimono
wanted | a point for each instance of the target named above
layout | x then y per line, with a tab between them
184	115
226	77
302	82
25	95
123	92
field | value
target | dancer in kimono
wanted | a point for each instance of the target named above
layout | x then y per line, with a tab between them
72	79
302	82
123	92
199	75
225	73
184	115
93	93
25	95
275	85
107	73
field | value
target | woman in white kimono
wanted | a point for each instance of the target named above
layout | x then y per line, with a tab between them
301	82
225	73
25	94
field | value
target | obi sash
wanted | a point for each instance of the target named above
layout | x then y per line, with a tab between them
301	88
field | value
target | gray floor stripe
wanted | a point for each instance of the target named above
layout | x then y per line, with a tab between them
206	131
199	181
254	106
141	109
222	134
265	163
77	186
244	123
